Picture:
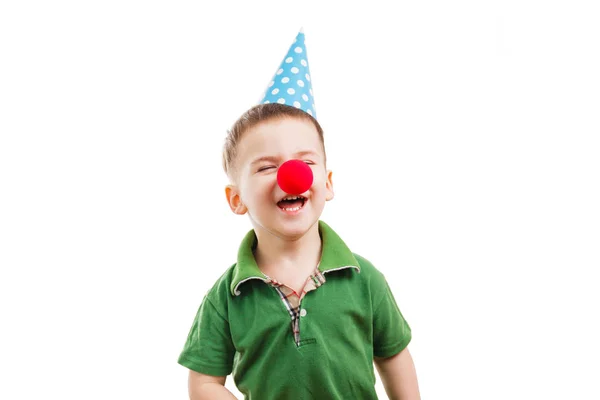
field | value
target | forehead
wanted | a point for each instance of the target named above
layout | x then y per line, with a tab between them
279	138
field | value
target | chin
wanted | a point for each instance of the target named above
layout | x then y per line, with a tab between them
290	225
297	228
294	230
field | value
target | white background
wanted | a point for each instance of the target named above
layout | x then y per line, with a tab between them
463	137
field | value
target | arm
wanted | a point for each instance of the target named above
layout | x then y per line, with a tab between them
207	387
398	376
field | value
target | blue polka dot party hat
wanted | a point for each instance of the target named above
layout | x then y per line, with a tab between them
291	84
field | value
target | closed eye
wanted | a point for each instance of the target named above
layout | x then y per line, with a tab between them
265	168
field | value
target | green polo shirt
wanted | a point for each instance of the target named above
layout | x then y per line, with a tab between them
243	328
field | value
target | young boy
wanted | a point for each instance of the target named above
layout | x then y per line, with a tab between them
298	315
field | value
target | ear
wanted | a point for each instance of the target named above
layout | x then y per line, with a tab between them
234	200
329	186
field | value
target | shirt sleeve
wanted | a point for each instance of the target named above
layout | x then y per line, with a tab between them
209	348
391	332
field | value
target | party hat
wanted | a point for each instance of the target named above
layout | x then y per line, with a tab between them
291	84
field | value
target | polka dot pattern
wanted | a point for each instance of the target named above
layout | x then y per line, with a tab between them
291	84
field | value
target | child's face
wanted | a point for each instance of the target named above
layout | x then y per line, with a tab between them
261	151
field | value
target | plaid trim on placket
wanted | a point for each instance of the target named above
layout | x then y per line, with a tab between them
335	256
293	300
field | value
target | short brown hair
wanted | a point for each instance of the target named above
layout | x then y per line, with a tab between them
251	118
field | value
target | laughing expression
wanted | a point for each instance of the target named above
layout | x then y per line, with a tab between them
255	191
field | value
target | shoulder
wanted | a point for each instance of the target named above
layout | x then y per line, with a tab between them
220	293
372	277
368	270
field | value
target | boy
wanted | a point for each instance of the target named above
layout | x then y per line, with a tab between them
299	315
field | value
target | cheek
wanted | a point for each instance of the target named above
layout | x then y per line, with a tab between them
319	175
259	188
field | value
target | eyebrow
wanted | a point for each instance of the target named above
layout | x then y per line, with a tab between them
272	158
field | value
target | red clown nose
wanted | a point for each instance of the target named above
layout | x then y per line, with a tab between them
294	177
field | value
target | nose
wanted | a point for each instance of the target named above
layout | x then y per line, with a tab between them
294	177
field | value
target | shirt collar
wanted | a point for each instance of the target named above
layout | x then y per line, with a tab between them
335	255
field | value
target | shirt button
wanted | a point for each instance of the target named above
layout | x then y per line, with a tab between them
303	312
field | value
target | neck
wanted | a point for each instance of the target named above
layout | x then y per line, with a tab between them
274	253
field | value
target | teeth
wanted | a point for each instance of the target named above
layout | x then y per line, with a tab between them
292	198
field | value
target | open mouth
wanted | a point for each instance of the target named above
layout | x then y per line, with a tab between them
292	203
